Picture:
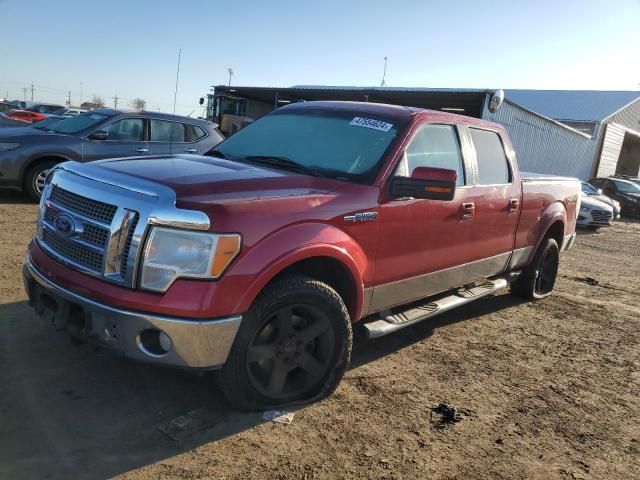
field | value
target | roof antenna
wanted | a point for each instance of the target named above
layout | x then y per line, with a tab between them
175	95
384	73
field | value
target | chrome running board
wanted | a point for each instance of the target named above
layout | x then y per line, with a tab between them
397	321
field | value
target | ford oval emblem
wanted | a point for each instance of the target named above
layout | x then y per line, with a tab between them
64	225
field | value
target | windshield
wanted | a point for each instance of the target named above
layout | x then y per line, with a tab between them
625	187
589	189
78	123
333	143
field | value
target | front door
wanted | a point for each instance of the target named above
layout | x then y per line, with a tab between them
423	245
126	138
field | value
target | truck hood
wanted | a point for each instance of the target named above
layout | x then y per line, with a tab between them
196	178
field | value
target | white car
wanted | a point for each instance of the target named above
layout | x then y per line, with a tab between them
594	213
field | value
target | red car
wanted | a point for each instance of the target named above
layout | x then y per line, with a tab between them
25	115
319	217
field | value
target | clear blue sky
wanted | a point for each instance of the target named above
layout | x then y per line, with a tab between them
130	47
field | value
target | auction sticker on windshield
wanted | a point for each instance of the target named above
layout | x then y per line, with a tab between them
371	123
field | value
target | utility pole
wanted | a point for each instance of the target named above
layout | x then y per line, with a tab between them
230	74
115	101
24	93
384	73
32	91
69	100
80	93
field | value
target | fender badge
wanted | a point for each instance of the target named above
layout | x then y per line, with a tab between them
361	217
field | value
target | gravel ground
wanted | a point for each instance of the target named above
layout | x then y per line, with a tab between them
542	390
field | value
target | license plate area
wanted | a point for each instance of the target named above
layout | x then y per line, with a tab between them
79	322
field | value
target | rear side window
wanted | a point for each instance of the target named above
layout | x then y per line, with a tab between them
162	131
193	133
493	168
434	146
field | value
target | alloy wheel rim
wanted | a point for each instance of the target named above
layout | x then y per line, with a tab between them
40	181
291	352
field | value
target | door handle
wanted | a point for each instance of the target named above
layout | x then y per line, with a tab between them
468	209
514	203
191	150
142	150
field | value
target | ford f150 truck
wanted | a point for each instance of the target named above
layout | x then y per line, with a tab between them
261	258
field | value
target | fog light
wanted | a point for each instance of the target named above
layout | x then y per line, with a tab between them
154	342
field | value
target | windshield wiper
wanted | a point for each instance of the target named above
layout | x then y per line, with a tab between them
282	162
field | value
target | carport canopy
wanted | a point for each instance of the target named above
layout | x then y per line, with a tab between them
462	101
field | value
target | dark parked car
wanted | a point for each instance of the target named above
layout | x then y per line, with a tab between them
624	191
6	106
44	108
27	155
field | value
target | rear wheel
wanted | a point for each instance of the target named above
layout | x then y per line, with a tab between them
35	177
294	345
539	277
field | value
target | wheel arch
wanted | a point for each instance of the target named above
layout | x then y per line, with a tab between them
32	162
327	263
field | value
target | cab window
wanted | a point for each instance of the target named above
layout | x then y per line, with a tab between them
493	167
435	146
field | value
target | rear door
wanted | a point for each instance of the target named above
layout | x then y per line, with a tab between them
423	245
496	200
127	138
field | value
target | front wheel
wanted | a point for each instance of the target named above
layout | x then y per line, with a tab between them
294	345
539	277
35	177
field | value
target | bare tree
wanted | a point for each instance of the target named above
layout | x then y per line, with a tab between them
138	103
97	101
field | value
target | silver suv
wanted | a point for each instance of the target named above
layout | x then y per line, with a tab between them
27	155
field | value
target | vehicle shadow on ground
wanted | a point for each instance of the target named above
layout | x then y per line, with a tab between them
9	196
74	412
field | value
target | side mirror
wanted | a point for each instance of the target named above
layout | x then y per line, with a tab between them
99	135
201	101
427	183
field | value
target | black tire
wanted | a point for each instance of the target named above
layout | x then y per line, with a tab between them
539	277
293	346
34	178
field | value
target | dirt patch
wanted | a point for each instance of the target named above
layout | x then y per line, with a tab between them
544	390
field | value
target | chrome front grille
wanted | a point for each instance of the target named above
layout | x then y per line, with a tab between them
601	216
74	251
103	212
100	240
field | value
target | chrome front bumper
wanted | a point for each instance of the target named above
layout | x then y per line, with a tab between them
202	344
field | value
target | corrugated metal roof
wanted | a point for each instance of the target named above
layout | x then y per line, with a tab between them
394	89
585	105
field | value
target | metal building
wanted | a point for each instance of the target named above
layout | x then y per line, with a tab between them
543	144
612	118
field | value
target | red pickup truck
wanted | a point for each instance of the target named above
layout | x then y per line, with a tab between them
261	257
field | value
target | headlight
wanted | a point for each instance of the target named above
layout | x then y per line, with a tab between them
585	209
5	147
170	254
